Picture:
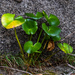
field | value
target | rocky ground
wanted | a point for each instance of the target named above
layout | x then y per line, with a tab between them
63	9
58	70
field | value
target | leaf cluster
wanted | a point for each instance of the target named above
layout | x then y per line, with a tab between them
30	26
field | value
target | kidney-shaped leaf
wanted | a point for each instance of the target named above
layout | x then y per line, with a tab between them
52	30
66	48
53	20
7	19
36	17
9	22
30	26
30	48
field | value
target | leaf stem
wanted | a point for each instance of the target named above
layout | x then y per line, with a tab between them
39	35
30	37
42	49
43	39
19	45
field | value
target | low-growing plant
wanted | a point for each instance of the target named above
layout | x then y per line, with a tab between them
30	26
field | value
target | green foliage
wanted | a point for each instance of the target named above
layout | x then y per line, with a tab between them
56	38
52	19
30	48
38	15
52	30
70	59
65	48
30	26
8	20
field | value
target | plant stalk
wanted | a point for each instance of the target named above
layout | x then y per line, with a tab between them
51	55
43	39
42	49
39	35
19	45
30	37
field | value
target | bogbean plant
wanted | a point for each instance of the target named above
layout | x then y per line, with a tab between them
30	26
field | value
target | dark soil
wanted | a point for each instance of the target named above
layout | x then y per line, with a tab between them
63	9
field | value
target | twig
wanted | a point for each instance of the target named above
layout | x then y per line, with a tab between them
67	36
72	54
16	69
71	66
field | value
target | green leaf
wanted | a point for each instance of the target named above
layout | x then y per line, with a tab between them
52	30
56	38
30	48
38	51
35	17
7	19
9	22
66	48
53	20
30	26
20	18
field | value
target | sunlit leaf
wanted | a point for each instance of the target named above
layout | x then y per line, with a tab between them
13	24
36	17
30	48
66	48
30	26
9	22
7	19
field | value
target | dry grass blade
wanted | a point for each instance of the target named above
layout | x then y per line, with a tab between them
16	70
72	54
71	66
68	36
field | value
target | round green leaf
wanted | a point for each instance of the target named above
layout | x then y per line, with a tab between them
35	17
66	48
53	20
30	48
30	26
52	30
8	20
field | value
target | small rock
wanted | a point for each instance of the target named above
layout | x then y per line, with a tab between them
19	1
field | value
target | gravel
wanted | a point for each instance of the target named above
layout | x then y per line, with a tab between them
63	9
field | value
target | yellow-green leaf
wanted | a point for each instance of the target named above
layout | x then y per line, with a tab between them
66	48
9	22
13	24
